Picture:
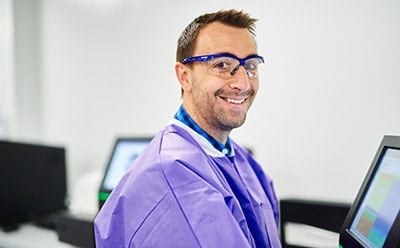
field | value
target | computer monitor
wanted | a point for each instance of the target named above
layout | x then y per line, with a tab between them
374	218
124	152
32	182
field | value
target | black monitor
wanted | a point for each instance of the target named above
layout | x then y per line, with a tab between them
374	218
32	182
124	152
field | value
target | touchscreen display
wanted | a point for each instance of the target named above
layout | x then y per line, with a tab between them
381	203
124	154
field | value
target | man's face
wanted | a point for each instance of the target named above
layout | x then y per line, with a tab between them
219	104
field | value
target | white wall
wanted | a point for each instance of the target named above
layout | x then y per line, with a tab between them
7	81
329	90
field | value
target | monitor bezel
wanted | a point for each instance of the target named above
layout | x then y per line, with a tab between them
347	239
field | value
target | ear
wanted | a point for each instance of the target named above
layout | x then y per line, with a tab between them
183	75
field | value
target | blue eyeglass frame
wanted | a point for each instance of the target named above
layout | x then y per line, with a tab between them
204	58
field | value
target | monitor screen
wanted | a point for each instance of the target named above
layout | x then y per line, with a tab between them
124	152
381	204
32	182
374	216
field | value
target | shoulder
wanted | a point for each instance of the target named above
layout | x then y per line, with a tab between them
172	159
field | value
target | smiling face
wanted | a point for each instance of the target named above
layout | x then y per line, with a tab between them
218	105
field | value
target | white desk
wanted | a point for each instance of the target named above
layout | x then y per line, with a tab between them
31	236
309	236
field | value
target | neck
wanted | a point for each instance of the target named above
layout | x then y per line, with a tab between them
218	134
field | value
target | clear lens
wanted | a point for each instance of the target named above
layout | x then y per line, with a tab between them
251	66
226	67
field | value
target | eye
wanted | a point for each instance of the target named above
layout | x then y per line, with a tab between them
222	65
252	64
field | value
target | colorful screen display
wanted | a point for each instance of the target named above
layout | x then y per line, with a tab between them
125	152
381	204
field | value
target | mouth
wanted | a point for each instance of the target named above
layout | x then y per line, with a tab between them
235	101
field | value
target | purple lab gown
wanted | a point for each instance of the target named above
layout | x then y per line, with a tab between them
175	195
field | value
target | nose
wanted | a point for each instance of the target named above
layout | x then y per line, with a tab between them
240	80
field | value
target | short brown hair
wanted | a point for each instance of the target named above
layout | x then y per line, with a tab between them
187	40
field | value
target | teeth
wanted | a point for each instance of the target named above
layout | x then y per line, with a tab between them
235	101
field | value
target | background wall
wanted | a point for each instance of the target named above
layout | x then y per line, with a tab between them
328	93
7	92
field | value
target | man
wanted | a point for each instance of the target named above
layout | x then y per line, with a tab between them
193	186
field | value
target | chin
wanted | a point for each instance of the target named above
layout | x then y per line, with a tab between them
234	124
